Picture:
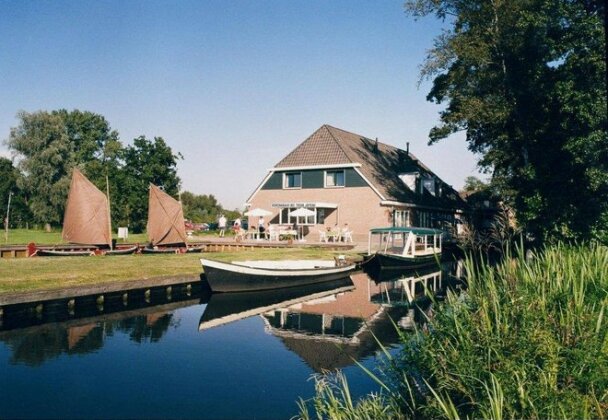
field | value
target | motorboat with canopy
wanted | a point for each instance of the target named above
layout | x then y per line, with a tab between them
404	247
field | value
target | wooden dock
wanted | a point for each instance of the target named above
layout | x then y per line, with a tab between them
211	245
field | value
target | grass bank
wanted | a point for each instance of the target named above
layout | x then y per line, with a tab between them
40	237
529	339
31	274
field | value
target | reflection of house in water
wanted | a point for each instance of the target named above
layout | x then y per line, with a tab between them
334	331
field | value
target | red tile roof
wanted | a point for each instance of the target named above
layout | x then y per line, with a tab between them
380	163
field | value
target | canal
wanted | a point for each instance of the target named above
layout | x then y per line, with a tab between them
182	352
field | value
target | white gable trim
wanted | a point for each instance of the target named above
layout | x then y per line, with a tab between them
259	187
370	184
300	168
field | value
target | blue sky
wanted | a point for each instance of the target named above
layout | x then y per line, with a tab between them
232	85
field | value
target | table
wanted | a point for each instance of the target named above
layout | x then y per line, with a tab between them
334	236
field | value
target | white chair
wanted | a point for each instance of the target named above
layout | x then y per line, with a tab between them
347	236
322	236
273	233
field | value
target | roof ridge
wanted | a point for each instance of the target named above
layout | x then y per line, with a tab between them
338	143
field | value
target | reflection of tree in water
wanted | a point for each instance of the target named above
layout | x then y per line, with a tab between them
150	327
35	347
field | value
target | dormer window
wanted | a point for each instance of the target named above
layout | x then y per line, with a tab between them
292	180
409	179
334	179
429	185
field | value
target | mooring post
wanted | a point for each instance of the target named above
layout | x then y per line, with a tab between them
71	305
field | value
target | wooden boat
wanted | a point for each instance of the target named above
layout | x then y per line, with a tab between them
265	275
403	247
165	250
64	253
122	251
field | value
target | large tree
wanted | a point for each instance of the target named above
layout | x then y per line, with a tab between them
49	145
9	185
145	162
526	80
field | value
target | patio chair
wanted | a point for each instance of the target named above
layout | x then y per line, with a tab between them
273	233
240	235
347	236
322	236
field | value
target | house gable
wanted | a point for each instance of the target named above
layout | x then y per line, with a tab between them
315	178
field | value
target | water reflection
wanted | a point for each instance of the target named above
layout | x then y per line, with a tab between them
36	335
331	325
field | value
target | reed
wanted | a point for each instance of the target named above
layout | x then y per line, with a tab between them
528	339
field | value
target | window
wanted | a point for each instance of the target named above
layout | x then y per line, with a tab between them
401	218
292	180
320	216
429	185
334	179
285	218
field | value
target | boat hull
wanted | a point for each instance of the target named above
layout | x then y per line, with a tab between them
389	261
57	253
224	277
122	251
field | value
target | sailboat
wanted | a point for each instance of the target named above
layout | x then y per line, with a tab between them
86	220
166	228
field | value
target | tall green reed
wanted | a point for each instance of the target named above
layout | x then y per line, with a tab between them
528	339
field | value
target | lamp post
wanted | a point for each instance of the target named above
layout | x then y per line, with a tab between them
8	210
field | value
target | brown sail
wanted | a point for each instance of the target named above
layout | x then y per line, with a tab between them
87	217
165	219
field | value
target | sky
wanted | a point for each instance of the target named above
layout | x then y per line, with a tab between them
233	86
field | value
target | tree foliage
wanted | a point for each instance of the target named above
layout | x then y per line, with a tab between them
145	162
526	80
50	144
474	184
204	208
9	180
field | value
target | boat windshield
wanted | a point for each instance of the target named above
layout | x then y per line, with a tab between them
406	242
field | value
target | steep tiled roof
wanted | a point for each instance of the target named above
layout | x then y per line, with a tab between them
380	163
321	148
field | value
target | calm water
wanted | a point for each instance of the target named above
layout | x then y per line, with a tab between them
191	354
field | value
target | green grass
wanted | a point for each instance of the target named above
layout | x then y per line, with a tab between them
529	339
40	237
37	273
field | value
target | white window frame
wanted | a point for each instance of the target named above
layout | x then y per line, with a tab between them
334	171
402	218
285	187
299	220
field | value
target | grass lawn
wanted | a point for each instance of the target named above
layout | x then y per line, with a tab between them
30	274
40	237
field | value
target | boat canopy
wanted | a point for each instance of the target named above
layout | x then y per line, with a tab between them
414	230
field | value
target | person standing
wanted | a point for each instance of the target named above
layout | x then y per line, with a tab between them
222	225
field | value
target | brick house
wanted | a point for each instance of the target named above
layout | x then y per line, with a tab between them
348	178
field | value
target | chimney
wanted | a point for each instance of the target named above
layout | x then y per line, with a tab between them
376	145
407	147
